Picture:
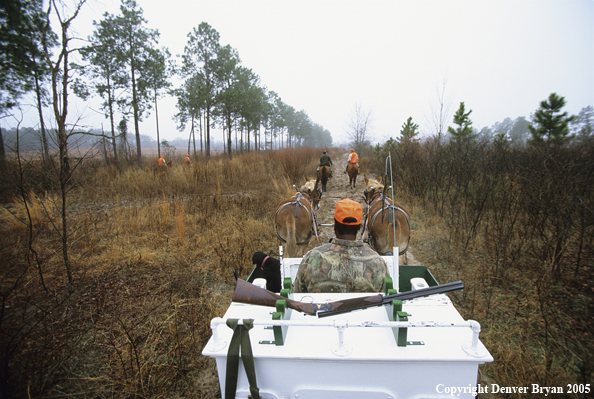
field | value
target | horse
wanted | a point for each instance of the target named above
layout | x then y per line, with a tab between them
295	220
160	168
353	171
324	174
384	219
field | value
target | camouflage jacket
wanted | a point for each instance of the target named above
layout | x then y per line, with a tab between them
341	266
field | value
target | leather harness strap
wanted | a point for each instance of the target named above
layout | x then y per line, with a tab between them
387	204
296	200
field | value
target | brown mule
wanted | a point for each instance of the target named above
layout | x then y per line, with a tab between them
352	171
296	222
384	219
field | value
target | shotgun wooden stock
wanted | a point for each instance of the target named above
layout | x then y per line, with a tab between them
251	294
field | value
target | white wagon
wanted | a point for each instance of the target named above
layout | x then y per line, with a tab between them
424	350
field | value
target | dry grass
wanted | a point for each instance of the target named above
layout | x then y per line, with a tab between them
512	312
153	256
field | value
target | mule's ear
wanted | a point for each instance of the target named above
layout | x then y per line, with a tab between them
366	179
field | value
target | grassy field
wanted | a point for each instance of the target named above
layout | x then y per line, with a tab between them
152	256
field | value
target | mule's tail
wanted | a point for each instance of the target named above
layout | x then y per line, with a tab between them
291	246
391	237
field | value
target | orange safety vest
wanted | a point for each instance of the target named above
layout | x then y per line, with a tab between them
161	161
354	158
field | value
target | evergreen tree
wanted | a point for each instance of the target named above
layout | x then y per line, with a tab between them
199	58
158	70
21	23
134	46
549	126
106	71
409	132
464	133
500	140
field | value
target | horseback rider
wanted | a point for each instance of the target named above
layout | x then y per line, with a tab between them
162	160
188	159
325	161
353	158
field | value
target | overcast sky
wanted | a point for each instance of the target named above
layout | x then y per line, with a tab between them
502	58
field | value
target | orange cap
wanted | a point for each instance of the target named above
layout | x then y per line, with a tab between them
352	150
348	208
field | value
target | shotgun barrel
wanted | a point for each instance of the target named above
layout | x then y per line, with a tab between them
348	305
251	294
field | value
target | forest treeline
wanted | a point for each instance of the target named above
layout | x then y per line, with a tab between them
123	65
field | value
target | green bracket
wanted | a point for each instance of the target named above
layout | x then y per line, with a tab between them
395	313
287	284
287	290
388	285
282	313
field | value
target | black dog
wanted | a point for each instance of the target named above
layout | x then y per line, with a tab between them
271	268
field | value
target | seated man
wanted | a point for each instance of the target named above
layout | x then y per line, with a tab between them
325	161
345	264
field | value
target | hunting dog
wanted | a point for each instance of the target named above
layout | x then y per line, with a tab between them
271	268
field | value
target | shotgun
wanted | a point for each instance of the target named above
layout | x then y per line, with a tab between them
251	294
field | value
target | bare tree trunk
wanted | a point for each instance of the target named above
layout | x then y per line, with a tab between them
104	147
44	144
190	135
157	120
2	153
60	105
111	122
136	117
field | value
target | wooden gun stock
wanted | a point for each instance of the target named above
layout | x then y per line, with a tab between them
248	293
251	294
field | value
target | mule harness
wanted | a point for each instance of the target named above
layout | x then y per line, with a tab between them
311	215
386	204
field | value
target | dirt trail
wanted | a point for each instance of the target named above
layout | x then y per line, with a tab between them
337	189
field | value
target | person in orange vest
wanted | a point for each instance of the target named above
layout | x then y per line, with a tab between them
353	158
188	159
162	160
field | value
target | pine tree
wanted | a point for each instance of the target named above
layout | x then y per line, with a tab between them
409	131
549	126
464	132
